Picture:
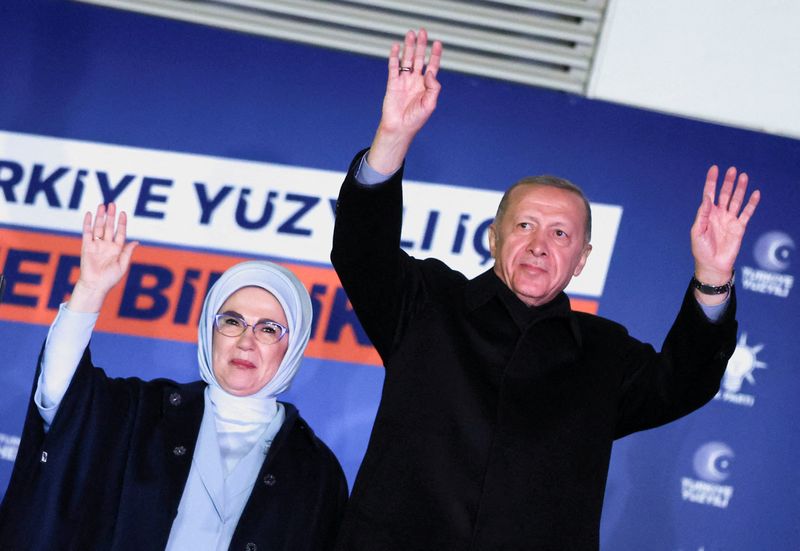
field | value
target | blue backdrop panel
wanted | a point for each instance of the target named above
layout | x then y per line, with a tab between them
722	478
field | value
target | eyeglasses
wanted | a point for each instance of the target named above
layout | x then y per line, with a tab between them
267	332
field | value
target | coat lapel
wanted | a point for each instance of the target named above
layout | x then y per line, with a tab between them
208	462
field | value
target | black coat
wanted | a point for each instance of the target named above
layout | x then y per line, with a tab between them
110	472
496	421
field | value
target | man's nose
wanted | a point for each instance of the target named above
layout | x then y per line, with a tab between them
537	245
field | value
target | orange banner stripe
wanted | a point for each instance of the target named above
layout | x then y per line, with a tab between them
37	256
168	293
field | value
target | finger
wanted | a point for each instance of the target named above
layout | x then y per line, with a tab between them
432	89
126	253
738	193
701	220
432	85
408	49
710	188
122	229
434	61
431	95
419	51
88	234
99	220
111	214
750	208
394	62
727	188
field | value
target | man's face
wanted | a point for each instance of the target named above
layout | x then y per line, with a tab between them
538	244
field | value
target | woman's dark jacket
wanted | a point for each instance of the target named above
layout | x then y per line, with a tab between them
496	421
110	472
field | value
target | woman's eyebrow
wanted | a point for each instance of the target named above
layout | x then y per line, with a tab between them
236	314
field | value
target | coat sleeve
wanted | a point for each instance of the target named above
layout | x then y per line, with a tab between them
60	487
657	388
379	278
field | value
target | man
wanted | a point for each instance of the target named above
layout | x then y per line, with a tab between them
500	404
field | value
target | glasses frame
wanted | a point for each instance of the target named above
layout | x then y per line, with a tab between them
252	326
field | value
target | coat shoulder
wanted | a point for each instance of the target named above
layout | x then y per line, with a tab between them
301	438
592	323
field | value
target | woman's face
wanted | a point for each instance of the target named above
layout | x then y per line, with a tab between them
243	365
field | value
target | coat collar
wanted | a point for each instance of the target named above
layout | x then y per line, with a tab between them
487	286
292	416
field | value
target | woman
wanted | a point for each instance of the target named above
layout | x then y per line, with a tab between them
215	464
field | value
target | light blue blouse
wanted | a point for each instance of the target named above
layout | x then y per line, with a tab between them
211	503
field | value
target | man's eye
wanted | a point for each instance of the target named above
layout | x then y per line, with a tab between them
524	225
561	233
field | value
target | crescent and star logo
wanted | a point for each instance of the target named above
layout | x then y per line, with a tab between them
773	251
712	461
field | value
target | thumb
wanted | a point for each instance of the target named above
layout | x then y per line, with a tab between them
126	253
701	220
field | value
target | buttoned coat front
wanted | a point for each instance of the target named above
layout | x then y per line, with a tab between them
496	420
110	472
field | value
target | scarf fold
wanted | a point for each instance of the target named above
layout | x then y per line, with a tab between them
239	422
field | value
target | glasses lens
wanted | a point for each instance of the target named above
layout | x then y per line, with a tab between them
269	332
229	326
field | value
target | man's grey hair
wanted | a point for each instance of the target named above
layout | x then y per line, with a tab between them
549	181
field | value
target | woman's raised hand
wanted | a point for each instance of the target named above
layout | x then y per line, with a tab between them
105	257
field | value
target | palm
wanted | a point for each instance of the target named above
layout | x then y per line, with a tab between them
105	256
411	94
408	103
719	244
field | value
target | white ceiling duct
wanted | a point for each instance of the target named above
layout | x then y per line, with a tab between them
546	43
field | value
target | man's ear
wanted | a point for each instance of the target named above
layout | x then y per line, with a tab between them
492	239
582	262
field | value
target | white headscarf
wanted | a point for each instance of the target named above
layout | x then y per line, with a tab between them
293	298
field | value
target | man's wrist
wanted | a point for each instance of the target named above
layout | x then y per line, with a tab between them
711	288
368	176
388	150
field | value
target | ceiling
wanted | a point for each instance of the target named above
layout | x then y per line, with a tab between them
549	43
